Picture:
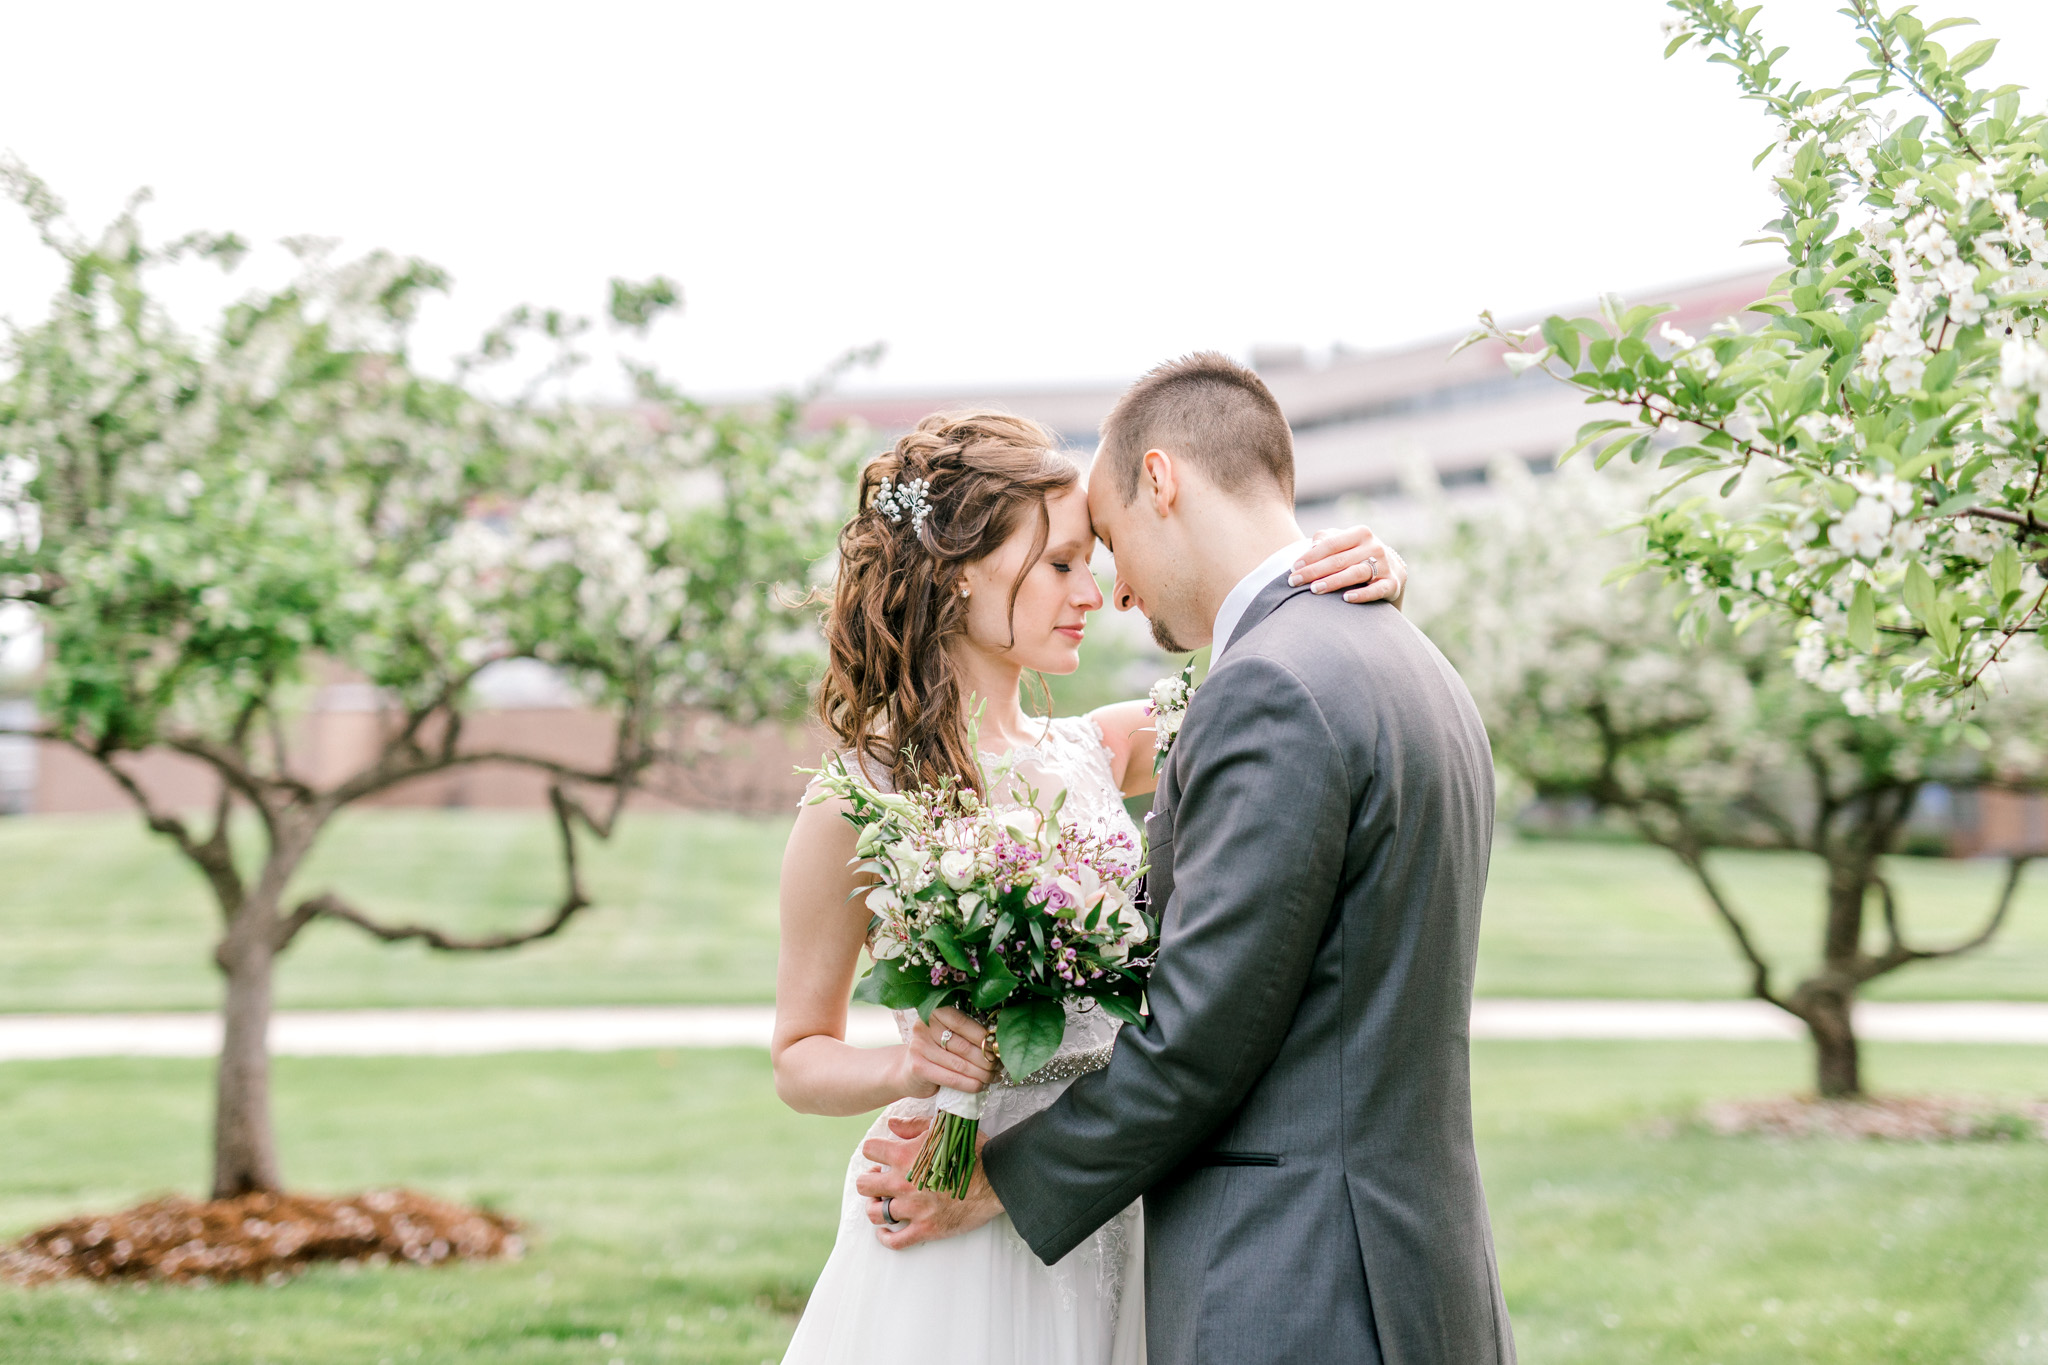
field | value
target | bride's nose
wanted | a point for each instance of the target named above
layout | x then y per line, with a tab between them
1089	598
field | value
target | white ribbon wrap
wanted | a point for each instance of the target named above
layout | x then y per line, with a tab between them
959	1102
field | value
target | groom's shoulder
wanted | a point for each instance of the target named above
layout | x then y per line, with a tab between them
1350	658
1318	636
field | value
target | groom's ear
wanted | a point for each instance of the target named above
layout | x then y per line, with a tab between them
1162	481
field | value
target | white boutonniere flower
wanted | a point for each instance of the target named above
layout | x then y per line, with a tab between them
1168	705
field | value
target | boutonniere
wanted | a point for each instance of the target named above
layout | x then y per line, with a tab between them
1168	705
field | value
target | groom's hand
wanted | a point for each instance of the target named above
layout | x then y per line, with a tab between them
920	1215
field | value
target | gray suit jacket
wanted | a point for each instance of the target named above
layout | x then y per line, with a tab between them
1296	1110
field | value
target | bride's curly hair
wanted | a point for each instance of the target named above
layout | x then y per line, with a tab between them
891	692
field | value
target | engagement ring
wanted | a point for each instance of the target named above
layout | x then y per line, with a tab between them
946	1038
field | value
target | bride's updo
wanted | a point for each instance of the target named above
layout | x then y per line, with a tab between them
949	493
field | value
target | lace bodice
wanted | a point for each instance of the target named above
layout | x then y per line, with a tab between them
1069	758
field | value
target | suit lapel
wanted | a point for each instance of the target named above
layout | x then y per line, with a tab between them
1159	828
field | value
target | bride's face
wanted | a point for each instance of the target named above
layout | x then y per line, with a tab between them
1054	596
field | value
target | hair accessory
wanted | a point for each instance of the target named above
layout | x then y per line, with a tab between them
894	499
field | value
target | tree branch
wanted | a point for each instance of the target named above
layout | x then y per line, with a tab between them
211	855
2026	523
2015	866
1760	970
235	772
568	812
1868	25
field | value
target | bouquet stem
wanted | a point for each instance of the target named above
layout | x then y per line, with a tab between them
946	1161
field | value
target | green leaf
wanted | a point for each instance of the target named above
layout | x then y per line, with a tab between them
940	936
868	990
1919	592
934	998
1863	619
1119	1007
1029	1033
995	986
1590	433
1973	56
2005	575
1564	337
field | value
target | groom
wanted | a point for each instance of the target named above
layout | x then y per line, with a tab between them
1296	1110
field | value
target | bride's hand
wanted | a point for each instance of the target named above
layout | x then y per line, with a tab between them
1356	559
948	1052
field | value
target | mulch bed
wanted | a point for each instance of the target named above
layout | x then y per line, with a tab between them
1888	1118
267	1237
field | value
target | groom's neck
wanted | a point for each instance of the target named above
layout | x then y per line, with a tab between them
1236	538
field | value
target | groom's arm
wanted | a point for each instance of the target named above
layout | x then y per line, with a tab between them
1259	837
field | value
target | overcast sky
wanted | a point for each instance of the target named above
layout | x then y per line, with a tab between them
1002	194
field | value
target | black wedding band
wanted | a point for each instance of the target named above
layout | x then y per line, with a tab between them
888	1216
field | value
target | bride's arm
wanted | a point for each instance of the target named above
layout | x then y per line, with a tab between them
816	1070
1352	558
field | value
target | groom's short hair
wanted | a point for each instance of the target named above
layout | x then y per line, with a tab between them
1209	410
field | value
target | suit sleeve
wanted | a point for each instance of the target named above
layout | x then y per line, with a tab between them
1259	834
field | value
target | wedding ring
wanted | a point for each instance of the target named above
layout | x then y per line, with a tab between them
1372	564
888	1217
946	1038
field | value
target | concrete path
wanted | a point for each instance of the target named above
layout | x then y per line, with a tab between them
459	1032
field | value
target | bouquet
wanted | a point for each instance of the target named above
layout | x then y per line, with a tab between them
1004	913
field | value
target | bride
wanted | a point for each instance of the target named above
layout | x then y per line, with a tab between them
966	566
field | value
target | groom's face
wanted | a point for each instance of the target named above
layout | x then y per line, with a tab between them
1140	540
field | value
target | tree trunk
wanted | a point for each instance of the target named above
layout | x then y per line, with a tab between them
244	1147
1827	1015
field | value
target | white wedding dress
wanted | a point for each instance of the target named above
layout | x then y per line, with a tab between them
984	1298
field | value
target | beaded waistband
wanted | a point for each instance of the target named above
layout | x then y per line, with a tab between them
1061	1068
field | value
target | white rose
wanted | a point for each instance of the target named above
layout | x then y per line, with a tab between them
957	867
1131	922
1024	824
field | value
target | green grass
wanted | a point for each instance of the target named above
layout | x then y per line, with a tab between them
677	1207
95	915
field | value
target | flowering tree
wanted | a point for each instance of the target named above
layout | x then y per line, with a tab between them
1890	400
199	524
1706	739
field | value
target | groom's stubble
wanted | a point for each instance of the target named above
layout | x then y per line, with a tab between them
1163	636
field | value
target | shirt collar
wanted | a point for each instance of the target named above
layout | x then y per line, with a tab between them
1233	608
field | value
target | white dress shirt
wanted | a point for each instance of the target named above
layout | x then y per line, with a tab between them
1240	597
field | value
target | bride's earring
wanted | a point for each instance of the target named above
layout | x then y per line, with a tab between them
963	592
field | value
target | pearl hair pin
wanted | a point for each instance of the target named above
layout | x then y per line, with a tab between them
894	499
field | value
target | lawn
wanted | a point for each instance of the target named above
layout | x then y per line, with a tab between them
95	915
680	1212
